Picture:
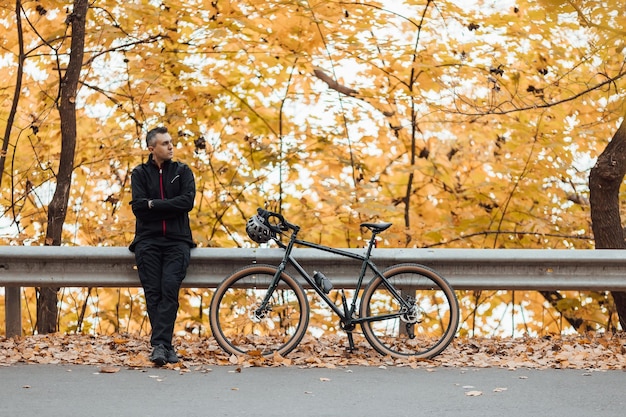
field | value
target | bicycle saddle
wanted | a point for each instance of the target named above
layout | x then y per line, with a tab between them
377	227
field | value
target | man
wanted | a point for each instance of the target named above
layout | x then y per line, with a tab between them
163	194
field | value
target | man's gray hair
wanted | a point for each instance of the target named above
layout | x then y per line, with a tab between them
151	136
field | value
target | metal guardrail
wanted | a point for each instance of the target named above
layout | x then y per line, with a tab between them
506	269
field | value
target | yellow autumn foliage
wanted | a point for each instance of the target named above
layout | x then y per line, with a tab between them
469	127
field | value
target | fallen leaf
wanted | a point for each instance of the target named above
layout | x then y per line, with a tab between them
588	353
109	370
474	393
324	379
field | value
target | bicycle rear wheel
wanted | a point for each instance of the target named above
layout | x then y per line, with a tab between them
238	325
422	331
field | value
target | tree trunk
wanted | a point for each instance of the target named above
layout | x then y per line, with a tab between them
605	180
17	91
57	210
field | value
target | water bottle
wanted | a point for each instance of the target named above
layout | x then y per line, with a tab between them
323	282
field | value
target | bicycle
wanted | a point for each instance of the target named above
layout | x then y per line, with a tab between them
407	310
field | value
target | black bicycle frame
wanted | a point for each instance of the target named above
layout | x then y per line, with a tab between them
346	316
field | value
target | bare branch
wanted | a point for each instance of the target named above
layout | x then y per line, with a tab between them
319	73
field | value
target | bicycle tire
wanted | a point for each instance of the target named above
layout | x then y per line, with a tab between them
435	317
239	331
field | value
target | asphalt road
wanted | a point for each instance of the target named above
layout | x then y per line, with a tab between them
52	390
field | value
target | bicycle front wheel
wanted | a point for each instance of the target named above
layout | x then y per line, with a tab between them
241	326
422	329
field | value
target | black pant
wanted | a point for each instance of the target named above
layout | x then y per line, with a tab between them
162	265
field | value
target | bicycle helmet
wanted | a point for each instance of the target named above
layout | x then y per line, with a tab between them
258	229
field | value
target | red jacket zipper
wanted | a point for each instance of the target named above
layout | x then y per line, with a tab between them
162	193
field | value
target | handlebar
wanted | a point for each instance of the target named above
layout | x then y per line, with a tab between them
278	227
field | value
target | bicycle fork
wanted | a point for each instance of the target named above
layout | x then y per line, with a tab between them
264	307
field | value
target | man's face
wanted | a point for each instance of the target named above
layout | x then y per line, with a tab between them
163	150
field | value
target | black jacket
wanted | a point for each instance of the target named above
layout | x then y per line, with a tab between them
172	191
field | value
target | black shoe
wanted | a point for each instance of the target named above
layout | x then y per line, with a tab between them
171	356
159	355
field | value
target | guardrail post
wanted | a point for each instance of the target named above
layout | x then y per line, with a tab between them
13	311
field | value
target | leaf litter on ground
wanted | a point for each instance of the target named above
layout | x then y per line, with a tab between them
589	352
